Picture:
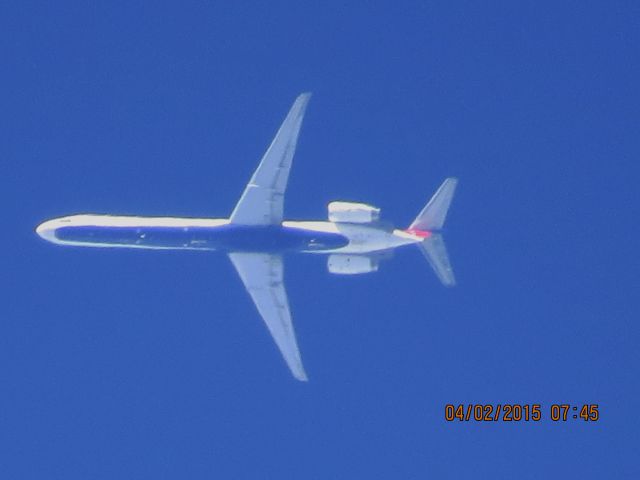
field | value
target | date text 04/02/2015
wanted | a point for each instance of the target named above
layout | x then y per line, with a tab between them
516	412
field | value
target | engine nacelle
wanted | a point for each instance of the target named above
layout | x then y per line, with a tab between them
351	264
350	212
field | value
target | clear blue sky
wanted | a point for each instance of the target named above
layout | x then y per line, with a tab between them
118	364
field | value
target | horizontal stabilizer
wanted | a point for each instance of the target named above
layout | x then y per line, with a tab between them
435	251
432	216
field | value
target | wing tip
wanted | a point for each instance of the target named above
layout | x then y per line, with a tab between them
300	374
303	98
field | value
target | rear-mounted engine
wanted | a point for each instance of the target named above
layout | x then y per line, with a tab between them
349	212
351	264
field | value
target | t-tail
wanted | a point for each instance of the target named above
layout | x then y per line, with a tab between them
428	225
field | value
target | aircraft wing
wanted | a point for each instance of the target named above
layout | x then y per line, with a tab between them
263	197
261	274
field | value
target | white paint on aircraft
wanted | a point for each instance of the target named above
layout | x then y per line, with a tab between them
261	206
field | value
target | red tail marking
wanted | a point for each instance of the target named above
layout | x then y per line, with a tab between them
418	233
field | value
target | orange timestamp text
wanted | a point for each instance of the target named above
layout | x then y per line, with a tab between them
516	412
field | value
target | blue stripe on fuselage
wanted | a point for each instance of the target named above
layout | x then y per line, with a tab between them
224	237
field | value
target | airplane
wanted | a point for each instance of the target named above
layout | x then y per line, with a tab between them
256	236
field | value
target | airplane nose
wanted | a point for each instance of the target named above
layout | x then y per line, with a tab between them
46	230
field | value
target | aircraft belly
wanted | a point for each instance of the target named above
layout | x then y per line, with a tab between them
223	237
365	238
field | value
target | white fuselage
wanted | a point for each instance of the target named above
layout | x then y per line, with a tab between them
220	234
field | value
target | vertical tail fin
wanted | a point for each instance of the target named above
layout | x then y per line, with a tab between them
434	214
430	221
